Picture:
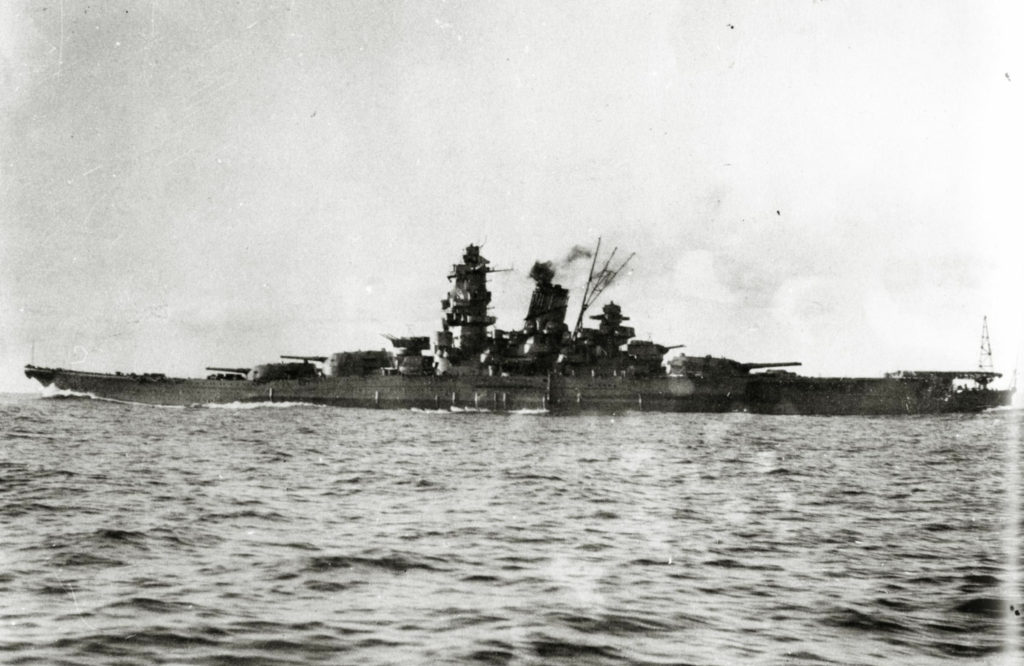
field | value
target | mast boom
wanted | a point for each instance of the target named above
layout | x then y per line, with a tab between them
597	283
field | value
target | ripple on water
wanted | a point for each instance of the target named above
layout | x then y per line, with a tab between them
218	536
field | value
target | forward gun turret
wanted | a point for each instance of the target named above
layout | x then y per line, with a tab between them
233	374
233	371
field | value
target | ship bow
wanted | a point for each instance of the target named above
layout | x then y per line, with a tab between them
44	376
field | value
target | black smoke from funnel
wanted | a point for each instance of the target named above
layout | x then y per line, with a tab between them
577	252
543	272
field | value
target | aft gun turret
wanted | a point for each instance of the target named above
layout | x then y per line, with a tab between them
709	366
758	366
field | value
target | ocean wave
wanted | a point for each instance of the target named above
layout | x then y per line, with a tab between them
257	405
454	409
851	618
131	537
392	563
561	649
331	585
152	605
418	539
51	391
493	655
982	607
614	624
83	559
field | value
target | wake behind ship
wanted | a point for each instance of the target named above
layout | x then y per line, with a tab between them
542	365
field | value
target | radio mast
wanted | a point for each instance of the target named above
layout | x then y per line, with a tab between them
985	353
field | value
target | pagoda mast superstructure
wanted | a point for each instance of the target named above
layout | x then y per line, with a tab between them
465	308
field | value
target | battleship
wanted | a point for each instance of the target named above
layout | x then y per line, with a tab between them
542	366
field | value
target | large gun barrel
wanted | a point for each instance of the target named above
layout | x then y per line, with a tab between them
234	371
317	359
757	366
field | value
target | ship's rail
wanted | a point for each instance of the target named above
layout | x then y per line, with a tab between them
945	375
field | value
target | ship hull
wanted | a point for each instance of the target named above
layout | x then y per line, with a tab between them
866	396
374	391
554	393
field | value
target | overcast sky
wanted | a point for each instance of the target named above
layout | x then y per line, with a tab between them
195	183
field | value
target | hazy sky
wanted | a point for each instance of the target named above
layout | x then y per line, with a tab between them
196	183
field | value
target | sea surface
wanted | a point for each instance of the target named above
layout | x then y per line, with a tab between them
304	535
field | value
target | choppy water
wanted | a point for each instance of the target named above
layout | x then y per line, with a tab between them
140	535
